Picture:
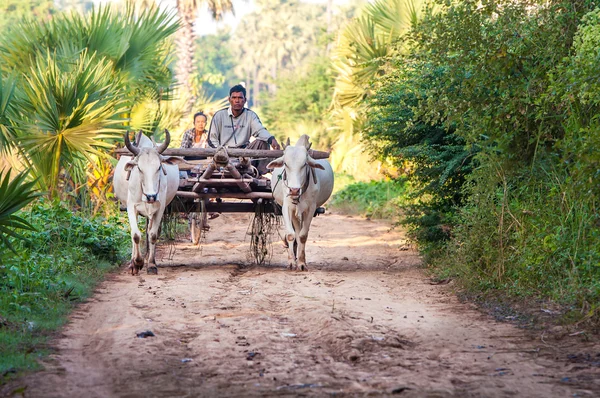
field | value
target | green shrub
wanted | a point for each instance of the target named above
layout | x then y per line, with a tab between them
539	238
58	263
374	199
494	105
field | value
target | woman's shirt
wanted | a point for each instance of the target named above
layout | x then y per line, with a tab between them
187	141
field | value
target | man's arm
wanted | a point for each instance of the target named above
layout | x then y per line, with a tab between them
273	142
256	127
214	132
260	132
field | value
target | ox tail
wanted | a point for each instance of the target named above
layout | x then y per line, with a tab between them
168	225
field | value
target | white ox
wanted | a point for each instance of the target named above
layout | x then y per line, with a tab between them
300	184
146	184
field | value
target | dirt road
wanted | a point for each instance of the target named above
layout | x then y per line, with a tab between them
364	321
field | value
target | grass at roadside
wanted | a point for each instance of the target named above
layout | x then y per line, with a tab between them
374	199
57	267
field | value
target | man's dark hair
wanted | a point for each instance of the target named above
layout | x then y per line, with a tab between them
199	114
238	88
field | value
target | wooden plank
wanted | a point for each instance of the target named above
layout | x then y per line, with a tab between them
194	163
224	207
232	152
228	181
231	195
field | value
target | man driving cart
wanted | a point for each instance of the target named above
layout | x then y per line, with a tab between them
233	127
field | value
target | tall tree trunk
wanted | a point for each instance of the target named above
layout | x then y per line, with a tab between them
329	25
273	85
255	87
185	51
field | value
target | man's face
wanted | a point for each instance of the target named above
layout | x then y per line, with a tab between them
237	101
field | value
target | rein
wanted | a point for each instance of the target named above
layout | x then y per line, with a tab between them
304	186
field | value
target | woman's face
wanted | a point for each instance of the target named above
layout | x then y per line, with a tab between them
200	123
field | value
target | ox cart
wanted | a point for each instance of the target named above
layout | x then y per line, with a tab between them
223	180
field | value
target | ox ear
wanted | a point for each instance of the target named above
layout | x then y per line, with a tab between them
311	162
275	163
172	160
130	165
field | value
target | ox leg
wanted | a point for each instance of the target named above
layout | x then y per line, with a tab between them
147	241
290	237
137	262
153	233
302	238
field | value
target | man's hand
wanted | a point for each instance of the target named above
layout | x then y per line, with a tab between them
274	144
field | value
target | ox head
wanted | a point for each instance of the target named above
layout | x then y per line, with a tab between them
150	164
298	167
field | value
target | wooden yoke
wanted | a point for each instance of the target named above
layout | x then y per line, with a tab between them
232	152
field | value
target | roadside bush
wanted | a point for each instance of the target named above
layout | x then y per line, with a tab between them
494	105
57	264
434	158
374	199
539	238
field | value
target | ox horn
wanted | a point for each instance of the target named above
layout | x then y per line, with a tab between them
130	146
165	144
287	143
138	138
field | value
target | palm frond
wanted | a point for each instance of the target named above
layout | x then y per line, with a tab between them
7	132
15	194
72	112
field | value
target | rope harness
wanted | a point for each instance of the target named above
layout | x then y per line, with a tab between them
283	176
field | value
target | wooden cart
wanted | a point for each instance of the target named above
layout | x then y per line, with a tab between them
225	181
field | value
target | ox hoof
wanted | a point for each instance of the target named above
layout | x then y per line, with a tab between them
303	267
135	268
153	270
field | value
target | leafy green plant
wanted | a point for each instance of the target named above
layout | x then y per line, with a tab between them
70	115
15	194
57	265
77	85
374	199
7	92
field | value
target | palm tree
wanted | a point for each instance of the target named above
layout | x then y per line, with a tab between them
188	11
367	42
79	83
71	114
363	51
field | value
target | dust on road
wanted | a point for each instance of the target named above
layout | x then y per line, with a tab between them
364	321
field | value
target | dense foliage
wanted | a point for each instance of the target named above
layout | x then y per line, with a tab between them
57	265
374	199
493	105
65	103
300	103
431	155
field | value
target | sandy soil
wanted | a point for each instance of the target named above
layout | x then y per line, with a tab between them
364	321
